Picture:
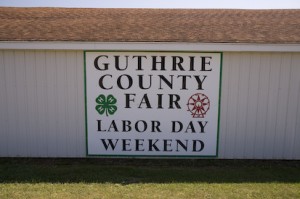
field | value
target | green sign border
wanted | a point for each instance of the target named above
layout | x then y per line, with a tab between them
154	156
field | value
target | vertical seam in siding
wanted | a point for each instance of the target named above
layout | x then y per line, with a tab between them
286	118
297	120
222	133
67	107
28	121
37	107
66	124
267	111
26	105
286	111
256	111
237	108
7	100
279	83
16	106
247	108
6	107
56	105
76	103
46	102
227	116
293	56
78	64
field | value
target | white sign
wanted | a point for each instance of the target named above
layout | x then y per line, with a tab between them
152	103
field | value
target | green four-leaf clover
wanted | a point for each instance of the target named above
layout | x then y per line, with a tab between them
106	105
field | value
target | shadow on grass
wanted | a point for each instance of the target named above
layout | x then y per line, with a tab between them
129	171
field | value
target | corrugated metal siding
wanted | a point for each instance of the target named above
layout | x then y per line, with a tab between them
260	110
42	105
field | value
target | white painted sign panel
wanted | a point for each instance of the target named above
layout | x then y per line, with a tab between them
152	103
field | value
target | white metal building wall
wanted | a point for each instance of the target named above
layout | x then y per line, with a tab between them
260	107
42	105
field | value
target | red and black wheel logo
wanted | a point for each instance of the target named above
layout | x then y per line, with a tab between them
198	104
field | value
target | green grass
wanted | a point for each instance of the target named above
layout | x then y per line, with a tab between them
106	178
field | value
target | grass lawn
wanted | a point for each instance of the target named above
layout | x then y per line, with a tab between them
107	178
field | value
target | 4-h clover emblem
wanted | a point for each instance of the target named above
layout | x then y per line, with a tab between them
106	104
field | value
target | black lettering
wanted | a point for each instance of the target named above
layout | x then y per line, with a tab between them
202	126
204	63
138	144
99	126
139	61
141	84
101	82
155	126
159	101
125	144
167	82
128	99
174	130
184	146
183	87
195	145
191	127
126	125
152	145
145	100
109	144
162	63
177	61
144	127
113	126
199	81
120	85
104	64
192	63
174	101
167	144
117	63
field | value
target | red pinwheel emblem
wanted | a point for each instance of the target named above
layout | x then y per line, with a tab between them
198	104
